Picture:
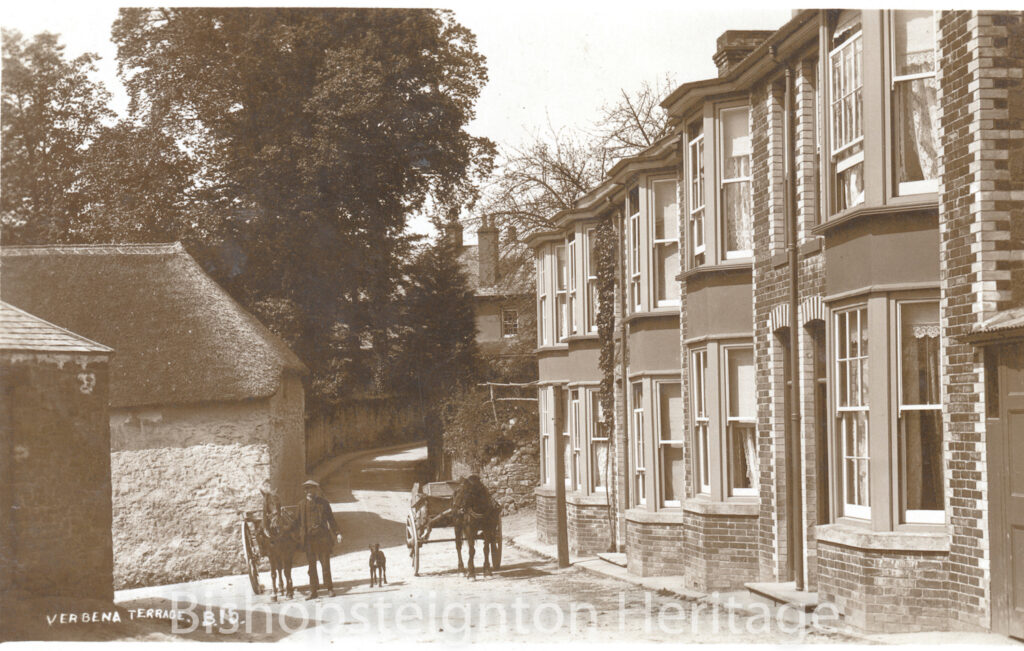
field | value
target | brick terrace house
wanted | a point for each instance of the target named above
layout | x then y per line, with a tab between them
55	466
205	402
850	298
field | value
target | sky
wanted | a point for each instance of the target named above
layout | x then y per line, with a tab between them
551	65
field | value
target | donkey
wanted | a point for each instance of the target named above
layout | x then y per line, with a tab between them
474	514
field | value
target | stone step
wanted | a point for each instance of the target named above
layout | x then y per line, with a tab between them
784	594
615	558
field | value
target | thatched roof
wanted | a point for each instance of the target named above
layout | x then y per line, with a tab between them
179	338
20	331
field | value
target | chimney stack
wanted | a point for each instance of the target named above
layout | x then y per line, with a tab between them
487	249
454	233
734	45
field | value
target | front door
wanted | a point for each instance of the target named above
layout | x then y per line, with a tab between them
1006	463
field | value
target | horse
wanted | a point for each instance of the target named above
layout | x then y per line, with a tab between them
474	514
279	538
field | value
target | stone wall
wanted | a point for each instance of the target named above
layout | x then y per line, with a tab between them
361	424
511	481
55	477
182	476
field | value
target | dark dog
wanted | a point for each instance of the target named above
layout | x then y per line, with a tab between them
378	566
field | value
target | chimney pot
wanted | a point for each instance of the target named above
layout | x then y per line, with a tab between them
734	45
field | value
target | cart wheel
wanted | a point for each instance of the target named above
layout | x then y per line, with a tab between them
496	548
412	541
252	561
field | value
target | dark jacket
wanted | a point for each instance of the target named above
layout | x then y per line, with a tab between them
316	518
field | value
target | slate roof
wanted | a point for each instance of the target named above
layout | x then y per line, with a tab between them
20	331
179	337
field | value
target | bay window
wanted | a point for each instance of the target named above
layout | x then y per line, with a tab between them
741	442
637	434
666	242
670	444
571	245
888	439
561	305
590	269
544	412
846	112
633	206
734	182
851	341
701	443
921	486
915	155
576	429
598	444
542	300
696	170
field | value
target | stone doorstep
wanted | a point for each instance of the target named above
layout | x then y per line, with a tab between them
615	558
780	594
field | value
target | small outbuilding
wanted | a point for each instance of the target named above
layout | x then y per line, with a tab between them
55	538
205	402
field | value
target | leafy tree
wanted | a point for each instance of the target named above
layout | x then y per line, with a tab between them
317	131
52	113
437	354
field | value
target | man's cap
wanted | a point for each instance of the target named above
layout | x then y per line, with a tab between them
311	483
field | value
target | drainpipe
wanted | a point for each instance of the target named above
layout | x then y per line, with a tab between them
794	466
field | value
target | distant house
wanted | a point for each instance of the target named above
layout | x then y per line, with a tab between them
55	465
502	293
205	402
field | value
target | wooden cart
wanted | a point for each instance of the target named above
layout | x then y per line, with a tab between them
430	508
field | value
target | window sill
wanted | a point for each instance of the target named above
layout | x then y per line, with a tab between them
937	540
587	337
582	499
706	269
641	515
901	205
551	349
544	491
652	314
743	507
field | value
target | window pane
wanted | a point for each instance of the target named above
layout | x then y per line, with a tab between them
850	186
921	485
671	472
913	42
703	462
670	410
599	464
854	427
919	357
742	456
742	392
667	267
735	143
666	218
915	118
739	233
561	268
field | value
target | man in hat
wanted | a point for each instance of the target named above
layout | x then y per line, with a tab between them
319	530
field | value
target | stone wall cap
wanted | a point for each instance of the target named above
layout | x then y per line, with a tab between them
643	516
859	538
706	506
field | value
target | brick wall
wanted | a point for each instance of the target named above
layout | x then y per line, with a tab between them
721	551
885	591
981	227
547	521
653	549
588	527
56	477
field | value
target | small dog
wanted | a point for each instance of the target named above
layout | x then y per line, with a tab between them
378	566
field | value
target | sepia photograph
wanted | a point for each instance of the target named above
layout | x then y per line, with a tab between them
542	322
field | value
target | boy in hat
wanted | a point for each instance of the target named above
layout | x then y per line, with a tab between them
319	530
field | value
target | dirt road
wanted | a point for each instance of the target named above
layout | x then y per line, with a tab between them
529	598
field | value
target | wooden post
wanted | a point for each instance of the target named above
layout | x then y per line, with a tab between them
560	516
